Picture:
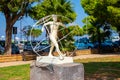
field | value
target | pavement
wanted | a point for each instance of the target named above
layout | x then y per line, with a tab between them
94	56
6	64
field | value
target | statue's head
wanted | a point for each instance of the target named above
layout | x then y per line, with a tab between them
54	17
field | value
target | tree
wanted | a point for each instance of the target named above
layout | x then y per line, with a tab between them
105	11
66	36
76	30
13	10
26	31
58	7
66	39
35	33
29	31
89	29
92	31
114	17
96	9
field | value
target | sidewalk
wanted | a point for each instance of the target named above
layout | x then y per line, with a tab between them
75	57
6	64
94	56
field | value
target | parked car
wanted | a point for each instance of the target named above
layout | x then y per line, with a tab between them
1	50
108	43
83	45
27	46
44	46
15	49
21	45
37	46
106	46
116	43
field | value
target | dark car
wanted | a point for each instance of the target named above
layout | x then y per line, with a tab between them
1	50
83	44
116	43
43	46
28	46
37	46
15	49
106	46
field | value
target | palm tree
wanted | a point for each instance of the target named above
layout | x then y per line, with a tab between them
26	31
35	33
29	31
58	7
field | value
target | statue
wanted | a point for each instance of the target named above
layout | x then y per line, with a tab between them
52	33
51	24
51	67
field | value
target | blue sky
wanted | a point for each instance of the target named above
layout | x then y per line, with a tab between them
28	21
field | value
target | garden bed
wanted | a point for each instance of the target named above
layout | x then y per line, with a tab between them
86	51
28	55
10	58
79	52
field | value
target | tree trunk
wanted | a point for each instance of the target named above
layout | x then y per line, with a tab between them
8	49
11	18
99	39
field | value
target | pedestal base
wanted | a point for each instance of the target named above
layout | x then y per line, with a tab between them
44	71
54	60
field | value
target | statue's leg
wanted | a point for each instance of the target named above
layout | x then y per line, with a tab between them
51	50
54	41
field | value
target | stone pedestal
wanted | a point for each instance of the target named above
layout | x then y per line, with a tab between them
46	71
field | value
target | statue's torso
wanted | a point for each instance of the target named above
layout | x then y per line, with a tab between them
54	28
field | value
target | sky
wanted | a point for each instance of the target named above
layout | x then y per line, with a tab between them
28	21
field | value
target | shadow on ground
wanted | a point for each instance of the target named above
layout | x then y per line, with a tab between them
102	70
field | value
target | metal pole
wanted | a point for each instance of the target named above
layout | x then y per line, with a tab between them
21	29
14	38
86	25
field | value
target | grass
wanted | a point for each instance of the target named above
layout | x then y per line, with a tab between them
107	68
21	72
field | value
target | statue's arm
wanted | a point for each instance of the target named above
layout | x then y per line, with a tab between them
44	25
62	25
